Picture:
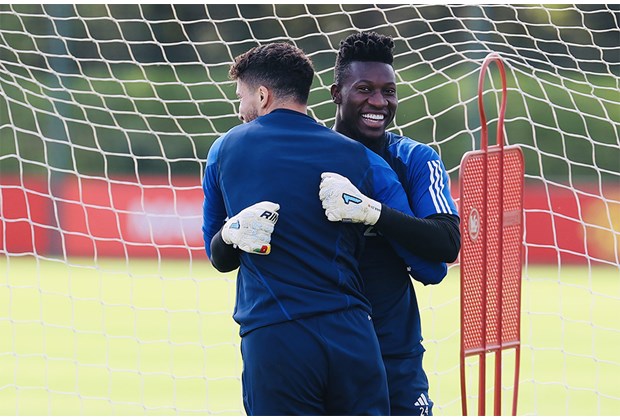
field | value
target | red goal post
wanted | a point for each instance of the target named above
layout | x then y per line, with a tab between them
491	209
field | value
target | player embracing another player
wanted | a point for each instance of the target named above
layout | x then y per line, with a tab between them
307	340
364	92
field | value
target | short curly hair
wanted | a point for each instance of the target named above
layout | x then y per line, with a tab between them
279	66
363	46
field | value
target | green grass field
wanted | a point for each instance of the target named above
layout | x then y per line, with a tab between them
143	337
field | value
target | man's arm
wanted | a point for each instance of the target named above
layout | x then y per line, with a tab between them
436	238
429	225
224	257
343	202
213	208
249	231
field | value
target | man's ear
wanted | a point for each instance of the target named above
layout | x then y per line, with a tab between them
264	96
335	92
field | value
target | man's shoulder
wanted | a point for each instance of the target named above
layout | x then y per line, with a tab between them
240	129
214	150
236	133
405	148
342	141
398	140
347	140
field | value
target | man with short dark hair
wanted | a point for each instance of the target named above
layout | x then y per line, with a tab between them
364	92
308	343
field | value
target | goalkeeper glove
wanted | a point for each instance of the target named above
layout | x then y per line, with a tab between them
250	230
342	201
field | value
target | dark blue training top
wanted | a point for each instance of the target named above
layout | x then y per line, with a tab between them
396	315
313	264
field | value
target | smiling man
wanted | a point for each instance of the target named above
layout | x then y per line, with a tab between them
364	92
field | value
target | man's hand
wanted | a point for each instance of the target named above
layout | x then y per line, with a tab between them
250	230
343	202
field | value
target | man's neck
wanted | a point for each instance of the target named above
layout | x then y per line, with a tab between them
376	144
291	105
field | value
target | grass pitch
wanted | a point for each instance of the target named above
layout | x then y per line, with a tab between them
147	337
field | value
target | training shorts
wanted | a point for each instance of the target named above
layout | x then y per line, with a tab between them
408	386
327	364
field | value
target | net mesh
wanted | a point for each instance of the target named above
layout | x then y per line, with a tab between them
107	302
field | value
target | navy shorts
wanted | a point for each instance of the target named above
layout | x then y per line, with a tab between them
323	365
408	386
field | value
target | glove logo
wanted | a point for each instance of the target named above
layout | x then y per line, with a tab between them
350	199
235	225
270	216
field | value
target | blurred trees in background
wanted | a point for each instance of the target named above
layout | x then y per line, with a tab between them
115	89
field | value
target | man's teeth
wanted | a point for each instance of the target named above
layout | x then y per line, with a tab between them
376	117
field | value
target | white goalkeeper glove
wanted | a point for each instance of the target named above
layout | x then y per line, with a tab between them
343	202
250	230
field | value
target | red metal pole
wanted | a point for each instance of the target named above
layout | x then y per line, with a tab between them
499	303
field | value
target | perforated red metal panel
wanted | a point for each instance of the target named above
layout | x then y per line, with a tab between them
488	323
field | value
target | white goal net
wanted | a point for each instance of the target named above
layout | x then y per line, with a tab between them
108	304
